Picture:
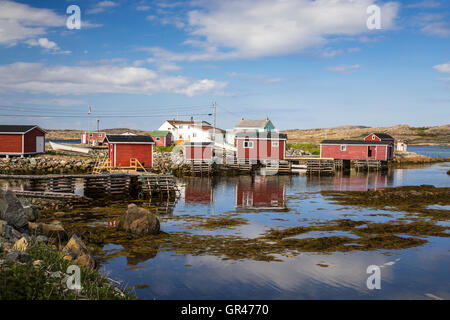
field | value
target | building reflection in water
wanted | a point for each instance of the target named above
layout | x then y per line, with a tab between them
262	192
363	181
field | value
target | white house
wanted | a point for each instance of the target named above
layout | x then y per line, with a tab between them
192	131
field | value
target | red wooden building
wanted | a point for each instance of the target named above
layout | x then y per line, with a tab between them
357	150
260	146
380	137
163	138
198	151
90	136
123	148
18	140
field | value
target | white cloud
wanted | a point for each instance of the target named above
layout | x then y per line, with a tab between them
142	8
60	80
50	46
444	68
20	22
102	6
268	28
344	68
440	28
254	77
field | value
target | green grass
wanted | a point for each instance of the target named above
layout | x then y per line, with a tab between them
26	282
308	147
164	149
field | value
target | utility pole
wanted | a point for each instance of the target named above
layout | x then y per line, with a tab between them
214	130
98	125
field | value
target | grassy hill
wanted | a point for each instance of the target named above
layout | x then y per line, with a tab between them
57	134
438	135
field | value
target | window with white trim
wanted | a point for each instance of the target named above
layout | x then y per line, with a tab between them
373	137
248	144
275	144
343	147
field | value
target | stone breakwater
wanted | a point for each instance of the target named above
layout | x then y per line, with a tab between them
415	158
46	165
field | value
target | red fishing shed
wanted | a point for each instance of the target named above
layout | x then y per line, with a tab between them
123	148
19	140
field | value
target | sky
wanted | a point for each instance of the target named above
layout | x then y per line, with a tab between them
302	63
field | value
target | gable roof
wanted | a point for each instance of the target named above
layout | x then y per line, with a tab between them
116	138
178	122
18	128
256	124
354	142
381	135
261	135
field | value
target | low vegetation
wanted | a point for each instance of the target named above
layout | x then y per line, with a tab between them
307	147
47	280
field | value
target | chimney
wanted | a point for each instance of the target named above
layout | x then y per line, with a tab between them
192	119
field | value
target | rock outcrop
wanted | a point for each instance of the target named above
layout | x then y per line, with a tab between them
12	211
78	252
139	221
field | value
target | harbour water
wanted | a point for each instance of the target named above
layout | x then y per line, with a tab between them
211	247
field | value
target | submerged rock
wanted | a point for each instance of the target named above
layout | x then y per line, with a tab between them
77	251
139	221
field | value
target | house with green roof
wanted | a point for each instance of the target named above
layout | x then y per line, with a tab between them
162	138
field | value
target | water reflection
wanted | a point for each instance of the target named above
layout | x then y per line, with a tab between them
262	192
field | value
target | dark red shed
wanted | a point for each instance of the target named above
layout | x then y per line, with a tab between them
356	150
18	140
123	148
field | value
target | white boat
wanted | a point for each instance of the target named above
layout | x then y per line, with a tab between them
64	147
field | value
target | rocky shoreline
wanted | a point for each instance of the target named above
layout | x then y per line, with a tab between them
47	165
43	252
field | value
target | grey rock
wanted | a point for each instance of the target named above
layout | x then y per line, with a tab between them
11	210
17	256
41	239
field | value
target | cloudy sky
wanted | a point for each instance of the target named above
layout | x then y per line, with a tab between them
303	63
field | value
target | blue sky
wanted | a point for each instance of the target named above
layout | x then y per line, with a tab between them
303	63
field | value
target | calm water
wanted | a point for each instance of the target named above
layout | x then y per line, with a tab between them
435	152
407	273
278	202
76	141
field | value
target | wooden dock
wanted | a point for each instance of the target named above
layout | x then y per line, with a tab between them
71	198
368	165
126	185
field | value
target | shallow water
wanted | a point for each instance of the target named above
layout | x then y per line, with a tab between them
407	273
165	271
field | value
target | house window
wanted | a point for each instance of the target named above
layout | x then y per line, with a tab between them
373	137
181	127
248	144
91	135
343	147
194	135
275	143
158	138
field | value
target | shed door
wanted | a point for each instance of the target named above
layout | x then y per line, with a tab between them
40	144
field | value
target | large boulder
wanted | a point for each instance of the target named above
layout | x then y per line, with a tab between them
75	250
139	221
11	210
